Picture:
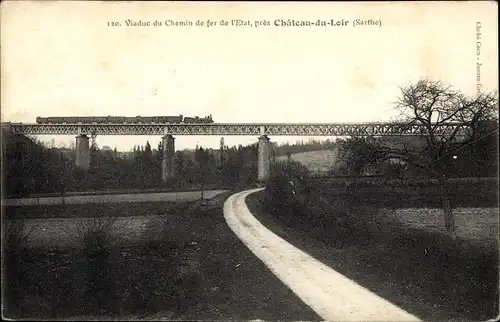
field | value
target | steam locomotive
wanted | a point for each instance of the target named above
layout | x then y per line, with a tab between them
125	120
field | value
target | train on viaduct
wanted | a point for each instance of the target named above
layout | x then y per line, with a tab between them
168	126
178	119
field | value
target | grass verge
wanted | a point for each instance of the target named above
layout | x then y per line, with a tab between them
91	209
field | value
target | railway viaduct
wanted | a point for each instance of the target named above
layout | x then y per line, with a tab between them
260	130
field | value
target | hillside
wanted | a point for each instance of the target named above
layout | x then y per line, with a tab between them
321	160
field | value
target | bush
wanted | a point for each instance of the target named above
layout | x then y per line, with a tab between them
333	221
287	189
95	234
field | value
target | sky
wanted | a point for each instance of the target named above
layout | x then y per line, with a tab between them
62	59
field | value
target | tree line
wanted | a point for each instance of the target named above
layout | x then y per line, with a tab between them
30	167
303	146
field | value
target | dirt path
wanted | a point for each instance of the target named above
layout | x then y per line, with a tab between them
330	294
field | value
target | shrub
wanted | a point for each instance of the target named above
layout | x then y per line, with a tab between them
286	189
95	234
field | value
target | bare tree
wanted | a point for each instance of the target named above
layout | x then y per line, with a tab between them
432	104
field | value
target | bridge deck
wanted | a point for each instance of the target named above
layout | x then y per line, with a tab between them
274	129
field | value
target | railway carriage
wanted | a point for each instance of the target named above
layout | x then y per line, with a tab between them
55	119
116	119
189	120
173	119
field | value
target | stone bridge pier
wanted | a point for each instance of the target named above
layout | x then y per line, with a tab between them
167	168
82	152
263	159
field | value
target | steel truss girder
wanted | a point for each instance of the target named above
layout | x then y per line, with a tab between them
274	129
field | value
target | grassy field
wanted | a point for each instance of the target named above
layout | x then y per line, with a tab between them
404	256
94	210
322	160
477	226
163	263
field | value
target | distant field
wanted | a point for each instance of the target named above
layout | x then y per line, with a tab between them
321	160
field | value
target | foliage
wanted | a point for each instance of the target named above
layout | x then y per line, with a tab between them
286	188
480	157
28	166
355	154
430	104
31	168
